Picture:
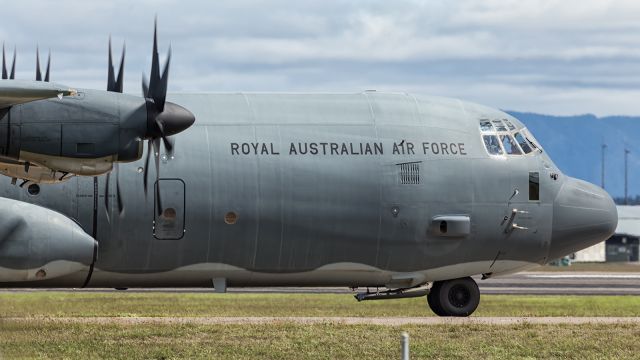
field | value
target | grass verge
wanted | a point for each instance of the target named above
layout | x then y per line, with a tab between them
71	304
322	341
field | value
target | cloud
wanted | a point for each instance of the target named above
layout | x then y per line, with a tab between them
537	55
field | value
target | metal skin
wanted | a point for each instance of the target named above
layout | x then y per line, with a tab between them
241	208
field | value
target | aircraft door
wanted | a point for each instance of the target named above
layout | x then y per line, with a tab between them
169	209
527	217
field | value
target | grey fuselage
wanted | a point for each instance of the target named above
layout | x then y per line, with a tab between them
366	189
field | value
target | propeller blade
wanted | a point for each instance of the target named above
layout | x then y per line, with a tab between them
168	144
46	74
120	80
154	77
4	64
156	146
145	86
106	196
118	194
38	74
146	166
161	92
111	78
13	65
114	83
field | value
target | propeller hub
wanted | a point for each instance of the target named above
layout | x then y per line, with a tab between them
172	120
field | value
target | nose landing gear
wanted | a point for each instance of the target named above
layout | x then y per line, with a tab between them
456	297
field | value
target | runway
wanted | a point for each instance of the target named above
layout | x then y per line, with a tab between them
526	283
563	283
306	320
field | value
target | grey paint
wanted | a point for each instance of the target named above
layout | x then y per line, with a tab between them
298	214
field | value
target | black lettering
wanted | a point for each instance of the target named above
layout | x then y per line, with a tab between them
425	147
324	148
334	149
234	149
255	147
345	150
353	152
453	149
396	149
378	148
265	150
461	147
367	149
443	146
313	149
410	148
273	152
435	148
292	149
306	149
246	148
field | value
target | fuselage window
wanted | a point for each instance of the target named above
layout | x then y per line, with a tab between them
499	125
492	144
523	143
509	145
485	125
534	186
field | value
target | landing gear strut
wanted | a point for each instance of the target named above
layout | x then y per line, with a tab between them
456	297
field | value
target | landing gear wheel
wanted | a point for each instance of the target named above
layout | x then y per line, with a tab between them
456	297
433	300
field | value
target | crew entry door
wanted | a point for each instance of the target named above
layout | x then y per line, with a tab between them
169	209
525	224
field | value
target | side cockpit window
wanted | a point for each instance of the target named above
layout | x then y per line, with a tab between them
503	137
524	144
509	145
492	144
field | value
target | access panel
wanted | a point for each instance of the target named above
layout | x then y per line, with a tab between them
169	209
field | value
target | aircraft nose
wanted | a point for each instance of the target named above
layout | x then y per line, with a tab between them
583	215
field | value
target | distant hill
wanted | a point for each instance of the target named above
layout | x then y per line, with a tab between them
574	143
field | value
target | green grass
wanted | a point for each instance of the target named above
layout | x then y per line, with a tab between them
323	341
83	304
33	338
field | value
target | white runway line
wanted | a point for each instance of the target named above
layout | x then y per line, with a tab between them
386	321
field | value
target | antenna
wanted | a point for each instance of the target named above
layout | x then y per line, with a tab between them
626	153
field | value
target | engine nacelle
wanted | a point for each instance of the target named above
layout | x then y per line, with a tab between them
38	244
82	134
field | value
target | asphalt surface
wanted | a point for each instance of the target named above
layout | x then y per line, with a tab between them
527	283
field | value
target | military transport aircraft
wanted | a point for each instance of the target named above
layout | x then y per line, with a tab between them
397	194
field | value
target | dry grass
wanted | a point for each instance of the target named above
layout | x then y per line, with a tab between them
324	341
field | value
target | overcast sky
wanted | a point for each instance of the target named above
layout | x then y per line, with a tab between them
555	57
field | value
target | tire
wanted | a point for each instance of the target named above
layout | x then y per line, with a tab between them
456	297
433	299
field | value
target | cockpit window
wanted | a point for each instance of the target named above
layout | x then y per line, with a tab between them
492	144
507	137
531	141
485	125
499	125
524	145
509	124
509	145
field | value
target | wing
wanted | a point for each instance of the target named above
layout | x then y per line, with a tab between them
14	92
